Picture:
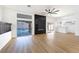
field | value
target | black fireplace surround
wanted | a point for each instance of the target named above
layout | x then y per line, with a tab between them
40	24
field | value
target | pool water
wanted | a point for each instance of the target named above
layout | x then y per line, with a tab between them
23	32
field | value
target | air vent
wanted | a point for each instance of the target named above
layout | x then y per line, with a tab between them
24	16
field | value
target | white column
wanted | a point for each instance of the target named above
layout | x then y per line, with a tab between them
77	28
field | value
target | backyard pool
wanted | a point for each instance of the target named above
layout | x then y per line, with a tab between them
23	32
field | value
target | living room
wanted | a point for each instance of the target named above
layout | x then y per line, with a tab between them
39	28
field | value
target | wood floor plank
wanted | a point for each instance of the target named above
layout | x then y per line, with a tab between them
42	43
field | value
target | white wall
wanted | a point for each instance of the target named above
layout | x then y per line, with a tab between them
73	28
50	19
8	16
0	13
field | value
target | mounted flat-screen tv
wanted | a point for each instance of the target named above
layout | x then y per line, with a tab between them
4	27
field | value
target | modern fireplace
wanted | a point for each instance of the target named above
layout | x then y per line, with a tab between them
40	24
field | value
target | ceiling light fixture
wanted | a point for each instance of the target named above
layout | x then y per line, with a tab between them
51	11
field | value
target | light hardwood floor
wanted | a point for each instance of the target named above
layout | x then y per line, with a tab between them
42	43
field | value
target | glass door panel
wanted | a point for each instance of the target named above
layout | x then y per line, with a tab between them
23	28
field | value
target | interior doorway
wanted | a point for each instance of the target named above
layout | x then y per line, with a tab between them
50	27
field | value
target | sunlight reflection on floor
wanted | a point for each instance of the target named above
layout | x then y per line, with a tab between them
50	35
25	40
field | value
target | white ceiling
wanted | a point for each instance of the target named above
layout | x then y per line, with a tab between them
64	9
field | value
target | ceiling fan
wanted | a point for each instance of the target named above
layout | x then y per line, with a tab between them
52	11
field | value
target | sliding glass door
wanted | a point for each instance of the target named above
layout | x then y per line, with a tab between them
23	28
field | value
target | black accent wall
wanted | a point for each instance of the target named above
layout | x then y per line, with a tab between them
40	24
